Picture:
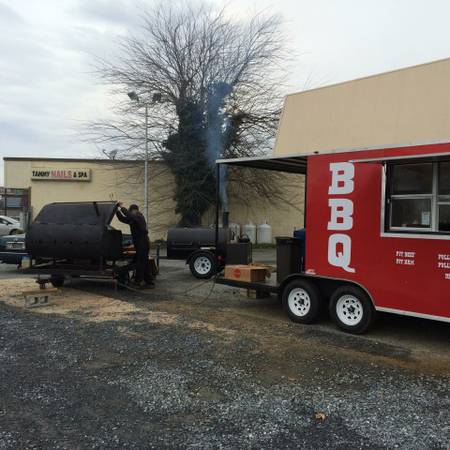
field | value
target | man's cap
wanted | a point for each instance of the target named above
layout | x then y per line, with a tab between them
133	206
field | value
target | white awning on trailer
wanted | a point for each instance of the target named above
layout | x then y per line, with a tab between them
290	164
425	157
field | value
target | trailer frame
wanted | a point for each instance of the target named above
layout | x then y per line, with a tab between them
58	270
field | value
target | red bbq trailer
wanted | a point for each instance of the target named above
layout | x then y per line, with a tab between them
377	227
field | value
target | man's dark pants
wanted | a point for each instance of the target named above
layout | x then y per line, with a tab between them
143	271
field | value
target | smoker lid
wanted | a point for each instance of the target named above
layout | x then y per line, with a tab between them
78	213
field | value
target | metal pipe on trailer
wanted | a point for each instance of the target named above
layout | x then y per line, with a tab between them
216	243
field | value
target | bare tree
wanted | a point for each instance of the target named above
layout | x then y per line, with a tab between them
212	88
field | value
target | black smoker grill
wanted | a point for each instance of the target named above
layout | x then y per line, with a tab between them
75	231
197	246
205	255
76	240
182	242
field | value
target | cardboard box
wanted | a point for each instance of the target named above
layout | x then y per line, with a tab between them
245	273
269	269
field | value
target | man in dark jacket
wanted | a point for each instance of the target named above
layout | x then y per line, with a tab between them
141	242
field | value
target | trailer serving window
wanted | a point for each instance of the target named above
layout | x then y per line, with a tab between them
418	197
444	196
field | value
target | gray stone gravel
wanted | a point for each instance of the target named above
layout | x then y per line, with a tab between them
395	411
71	384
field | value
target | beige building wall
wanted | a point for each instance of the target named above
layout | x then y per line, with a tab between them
109	181
122	181
284	214
284	211
406	106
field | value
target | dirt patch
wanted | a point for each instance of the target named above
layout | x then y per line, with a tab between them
208	326
272	339
67	301
12	289
95	308
277	338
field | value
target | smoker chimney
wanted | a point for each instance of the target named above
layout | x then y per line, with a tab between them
225	219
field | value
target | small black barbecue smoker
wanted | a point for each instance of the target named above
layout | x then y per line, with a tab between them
76	240
204	255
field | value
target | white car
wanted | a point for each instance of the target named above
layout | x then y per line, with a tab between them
9	226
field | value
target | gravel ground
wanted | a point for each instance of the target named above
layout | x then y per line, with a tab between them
188	366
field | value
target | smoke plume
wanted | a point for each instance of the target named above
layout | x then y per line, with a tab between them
216	131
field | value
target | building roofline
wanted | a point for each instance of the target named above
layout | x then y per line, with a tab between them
90	160
379	74
332	151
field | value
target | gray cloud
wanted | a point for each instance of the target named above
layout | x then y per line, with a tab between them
117	12
8	15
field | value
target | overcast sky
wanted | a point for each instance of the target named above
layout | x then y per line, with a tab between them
47	47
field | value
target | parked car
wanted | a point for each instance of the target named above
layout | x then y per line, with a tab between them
8	225
12	247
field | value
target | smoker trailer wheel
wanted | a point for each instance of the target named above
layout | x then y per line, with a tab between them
203	265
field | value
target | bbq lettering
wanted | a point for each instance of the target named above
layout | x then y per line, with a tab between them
341	215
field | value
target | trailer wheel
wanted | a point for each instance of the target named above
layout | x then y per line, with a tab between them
301	301
351	309
203	265
57	280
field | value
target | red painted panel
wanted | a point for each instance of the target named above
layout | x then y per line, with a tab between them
409	274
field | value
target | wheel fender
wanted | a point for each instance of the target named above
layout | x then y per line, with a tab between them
196	253
287	280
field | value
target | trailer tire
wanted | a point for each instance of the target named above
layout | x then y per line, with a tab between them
351	309
302	301
57	281
203	265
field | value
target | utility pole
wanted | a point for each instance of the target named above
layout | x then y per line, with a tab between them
146	167
134	97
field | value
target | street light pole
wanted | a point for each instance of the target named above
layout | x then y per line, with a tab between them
134	97
146	166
